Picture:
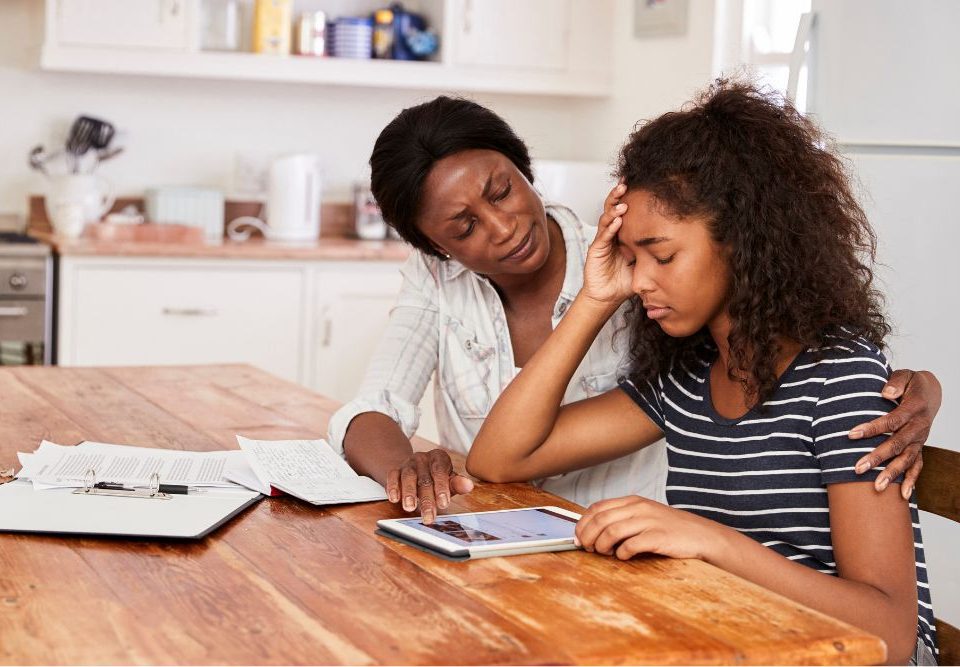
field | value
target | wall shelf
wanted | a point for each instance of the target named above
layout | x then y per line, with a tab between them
325	71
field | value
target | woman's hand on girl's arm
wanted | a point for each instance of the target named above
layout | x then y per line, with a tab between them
606	275
909	425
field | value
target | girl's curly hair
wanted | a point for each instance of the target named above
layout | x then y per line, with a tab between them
800	249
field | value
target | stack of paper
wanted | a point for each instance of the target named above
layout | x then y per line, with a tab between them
307	469
57	466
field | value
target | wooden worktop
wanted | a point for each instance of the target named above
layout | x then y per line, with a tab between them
322	249
289	583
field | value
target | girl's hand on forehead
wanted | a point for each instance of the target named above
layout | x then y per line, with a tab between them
607	275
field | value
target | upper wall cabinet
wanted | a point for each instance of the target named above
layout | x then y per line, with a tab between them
528	47
145	24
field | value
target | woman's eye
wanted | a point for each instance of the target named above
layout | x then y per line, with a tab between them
471	223
666	260
503	193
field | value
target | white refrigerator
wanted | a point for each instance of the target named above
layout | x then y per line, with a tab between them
884	80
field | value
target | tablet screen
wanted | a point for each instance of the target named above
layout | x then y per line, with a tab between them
471	530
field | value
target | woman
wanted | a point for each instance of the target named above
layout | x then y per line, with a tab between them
493	272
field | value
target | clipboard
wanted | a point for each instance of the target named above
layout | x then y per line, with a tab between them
89	511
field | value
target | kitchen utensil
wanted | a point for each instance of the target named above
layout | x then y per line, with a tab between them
85	133
37	160
75	199
293	202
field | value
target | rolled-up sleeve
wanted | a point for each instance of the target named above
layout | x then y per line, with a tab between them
405	359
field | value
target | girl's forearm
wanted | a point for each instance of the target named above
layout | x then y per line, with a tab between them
524	415
857	603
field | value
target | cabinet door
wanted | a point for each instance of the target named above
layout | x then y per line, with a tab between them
131	315
353	307
152	24
530	34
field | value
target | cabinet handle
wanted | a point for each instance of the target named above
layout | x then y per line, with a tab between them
327	332
13	311
467	16
191	312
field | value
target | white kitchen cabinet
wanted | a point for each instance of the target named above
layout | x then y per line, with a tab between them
353	303
141	24
116	312
533	34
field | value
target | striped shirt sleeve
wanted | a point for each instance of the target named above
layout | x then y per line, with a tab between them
648	397
854	373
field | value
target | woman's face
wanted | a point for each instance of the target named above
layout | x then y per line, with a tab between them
478	208
679	271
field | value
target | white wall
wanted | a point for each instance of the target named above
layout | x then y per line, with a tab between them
187	132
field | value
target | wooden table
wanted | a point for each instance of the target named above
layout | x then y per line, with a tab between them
288	583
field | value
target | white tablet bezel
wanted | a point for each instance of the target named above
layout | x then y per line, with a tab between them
397	527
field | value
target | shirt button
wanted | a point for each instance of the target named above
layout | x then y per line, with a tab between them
468	345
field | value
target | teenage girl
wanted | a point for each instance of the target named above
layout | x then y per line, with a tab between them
756	348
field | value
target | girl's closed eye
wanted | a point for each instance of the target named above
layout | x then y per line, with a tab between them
665	260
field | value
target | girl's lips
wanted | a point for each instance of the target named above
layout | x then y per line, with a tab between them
657	312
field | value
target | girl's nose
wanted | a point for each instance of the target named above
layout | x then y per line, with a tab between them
502	227
641	283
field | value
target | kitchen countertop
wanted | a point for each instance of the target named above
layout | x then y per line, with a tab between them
333	248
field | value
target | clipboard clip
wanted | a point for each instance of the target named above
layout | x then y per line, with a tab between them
152	492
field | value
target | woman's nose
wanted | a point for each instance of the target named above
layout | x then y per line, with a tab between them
502	227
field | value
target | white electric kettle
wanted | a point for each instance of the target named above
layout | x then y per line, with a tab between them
293	203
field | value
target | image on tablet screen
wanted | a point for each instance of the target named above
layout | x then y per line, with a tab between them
530	525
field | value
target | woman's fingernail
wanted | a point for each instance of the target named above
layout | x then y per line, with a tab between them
621	207
428	516
856	434
862	467
907	491
394	496
409	504
889	391
882	484
576	541
442	500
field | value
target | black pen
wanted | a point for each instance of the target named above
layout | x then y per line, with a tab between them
178	489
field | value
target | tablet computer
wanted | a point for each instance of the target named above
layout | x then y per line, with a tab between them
484	534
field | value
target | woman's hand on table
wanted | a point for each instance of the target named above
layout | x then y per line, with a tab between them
909	425
426	480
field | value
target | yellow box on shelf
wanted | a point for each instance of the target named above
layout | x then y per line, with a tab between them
272	25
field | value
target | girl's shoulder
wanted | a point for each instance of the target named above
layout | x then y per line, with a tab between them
845	363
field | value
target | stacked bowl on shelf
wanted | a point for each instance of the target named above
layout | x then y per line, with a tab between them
351	37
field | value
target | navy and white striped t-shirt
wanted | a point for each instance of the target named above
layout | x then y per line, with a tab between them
766	474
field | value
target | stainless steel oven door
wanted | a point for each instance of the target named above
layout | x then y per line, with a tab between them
22	332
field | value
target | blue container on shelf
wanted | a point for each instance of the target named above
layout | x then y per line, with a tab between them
351	37
411	39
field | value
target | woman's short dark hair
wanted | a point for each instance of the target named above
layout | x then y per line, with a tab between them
419	136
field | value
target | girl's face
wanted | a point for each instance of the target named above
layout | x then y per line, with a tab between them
679	271
478	208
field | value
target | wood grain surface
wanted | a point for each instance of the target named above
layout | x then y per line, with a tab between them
289	583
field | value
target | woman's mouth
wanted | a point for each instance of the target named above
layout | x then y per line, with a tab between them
657	312
523	249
